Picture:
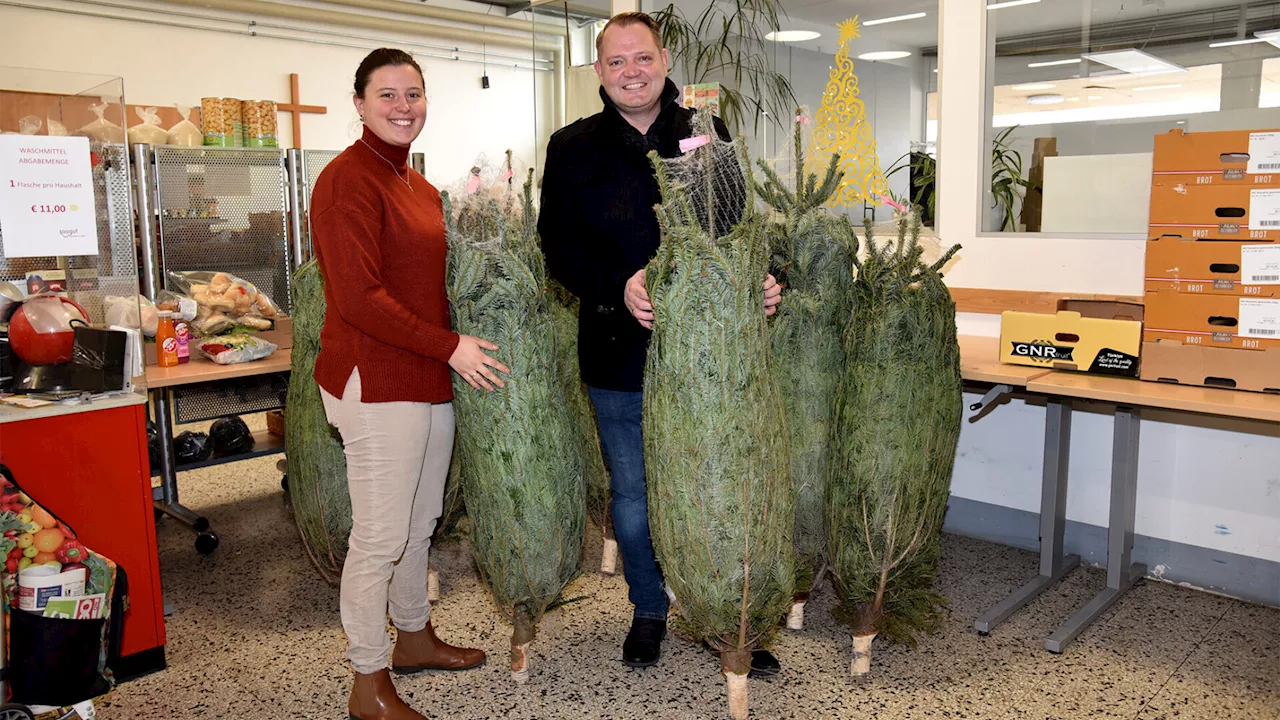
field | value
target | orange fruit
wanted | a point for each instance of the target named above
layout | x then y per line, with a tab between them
43	558
41	517
49	540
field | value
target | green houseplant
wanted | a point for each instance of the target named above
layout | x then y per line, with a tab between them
726	43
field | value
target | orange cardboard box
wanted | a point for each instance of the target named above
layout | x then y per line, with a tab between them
1174	362
1213	267
1233	157
1212	320
1215	212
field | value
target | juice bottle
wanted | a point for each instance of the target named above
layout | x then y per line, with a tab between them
182	331
166	340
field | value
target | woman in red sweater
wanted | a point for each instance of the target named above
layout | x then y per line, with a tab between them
384	375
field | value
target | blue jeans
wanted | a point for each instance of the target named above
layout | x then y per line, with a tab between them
618	414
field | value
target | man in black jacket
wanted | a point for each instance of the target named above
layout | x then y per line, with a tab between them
599	231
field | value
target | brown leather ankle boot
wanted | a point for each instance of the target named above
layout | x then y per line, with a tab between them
373	697
422	650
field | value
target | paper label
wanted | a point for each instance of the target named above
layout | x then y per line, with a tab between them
1264	209
1264	152
1260	319
46	196
1260	264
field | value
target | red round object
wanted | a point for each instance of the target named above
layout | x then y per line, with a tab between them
51	339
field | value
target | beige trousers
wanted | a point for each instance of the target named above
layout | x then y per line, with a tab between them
397	463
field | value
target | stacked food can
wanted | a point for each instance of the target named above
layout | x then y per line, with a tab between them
229	122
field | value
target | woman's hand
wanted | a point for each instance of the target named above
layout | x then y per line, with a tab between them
477	368
772	295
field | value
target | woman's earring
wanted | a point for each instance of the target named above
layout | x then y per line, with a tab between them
361	118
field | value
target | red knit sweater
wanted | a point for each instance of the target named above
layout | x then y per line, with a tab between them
381	249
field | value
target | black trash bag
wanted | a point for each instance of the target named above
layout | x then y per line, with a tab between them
230	437
153	447
192	447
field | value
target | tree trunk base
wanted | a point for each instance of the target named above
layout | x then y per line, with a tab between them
795	619
609	560
860	666
520	663
433	586
737	685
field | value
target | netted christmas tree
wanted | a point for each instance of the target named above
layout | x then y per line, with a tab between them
521	472
317	465
812	257
564	308
715	452
893	443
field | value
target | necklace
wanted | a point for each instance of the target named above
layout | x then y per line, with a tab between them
393	165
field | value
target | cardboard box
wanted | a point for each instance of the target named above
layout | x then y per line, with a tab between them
275	422
1212	320
1213	267
1215	212
1233	157
1172	361
281	334
1096	336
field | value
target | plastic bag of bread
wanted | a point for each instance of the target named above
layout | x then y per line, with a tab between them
149	132
181	306
102	129
224	301
132	312
185	132
236	348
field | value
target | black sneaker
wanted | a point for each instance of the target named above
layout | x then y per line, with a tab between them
643	646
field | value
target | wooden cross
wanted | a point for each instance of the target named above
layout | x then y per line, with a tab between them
294	107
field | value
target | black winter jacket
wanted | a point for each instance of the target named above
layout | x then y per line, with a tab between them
598	228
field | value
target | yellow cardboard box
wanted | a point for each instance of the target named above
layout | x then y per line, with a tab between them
1097	336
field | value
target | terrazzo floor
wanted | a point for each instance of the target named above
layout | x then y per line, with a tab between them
256	634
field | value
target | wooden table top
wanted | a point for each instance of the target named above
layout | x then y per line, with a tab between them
201	369
980	362
1130	391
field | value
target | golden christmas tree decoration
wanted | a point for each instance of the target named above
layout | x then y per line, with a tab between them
841	126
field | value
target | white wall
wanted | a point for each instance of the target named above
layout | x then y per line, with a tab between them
164	65
1195	473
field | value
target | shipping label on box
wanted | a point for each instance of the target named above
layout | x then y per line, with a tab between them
1259	318
1068	341
1260	264
1264	152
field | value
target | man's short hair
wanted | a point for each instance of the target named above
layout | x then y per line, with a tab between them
628	19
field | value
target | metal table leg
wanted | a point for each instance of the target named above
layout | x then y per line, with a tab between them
1053	517
1121	572
166	496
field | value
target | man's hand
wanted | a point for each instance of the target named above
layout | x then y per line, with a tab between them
637	300
772	295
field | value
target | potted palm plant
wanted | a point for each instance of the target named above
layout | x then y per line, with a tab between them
725	43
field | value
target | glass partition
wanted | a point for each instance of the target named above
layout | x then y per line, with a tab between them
1077	91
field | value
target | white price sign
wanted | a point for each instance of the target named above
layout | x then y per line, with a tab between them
46	196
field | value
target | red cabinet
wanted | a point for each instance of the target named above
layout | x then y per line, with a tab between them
90	469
